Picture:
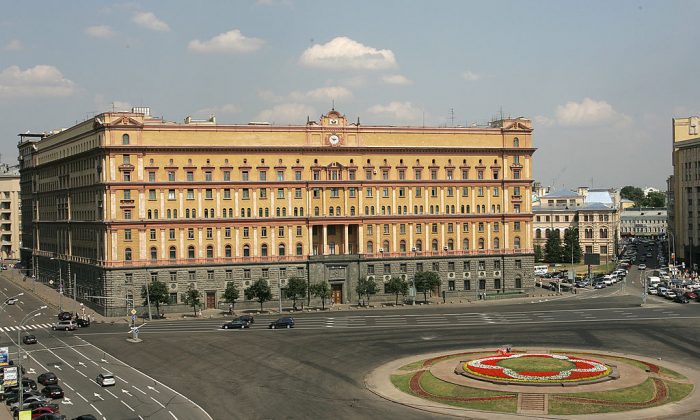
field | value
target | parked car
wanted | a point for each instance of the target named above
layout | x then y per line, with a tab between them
52	391
50	417
29	339
680	299
28	383
33	405
85	417
284	322
105	379
653	291
691	295
670	294
65	316
48	378
65	326
642	266
11	301
599	285
82	322
236	324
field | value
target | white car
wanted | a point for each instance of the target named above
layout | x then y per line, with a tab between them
642	266
11	301
653	291
670	294
105	379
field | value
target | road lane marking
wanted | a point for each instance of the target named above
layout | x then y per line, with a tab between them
158	402
121	379
84	399
70	387
171	413
95	408
110	393
127	406
153	389
84	375
139	390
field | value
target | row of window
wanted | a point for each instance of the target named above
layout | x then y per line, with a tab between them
587	233
451	266
566	217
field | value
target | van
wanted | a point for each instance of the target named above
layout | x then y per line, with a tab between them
541	270
653	281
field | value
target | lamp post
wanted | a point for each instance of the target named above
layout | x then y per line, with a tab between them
31	314
60	285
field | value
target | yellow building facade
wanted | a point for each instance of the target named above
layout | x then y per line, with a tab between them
124	198
684	192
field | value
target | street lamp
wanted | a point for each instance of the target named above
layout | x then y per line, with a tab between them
31	314
60	285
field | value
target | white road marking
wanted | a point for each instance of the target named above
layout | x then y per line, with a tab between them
139	390
171	413
84	375
94	363
158	402
100	397
110	393
126	392
84	399
120	379
127	406
153	389
69	387
95	408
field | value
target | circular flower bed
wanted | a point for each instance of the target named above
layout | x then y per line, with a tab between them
580	370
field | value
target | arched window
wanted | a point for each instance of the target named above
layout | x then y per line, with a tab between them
434	245
300	249
127	254
260	212
125	139
352	210
263	250
481	243
301	211
206	213
278	212
281	250
370	247
210	251
227	251
419	245
296	211
604	233
150	214
155	214
366	210
371	210
450	244
538	233
496	243
338	212
242	212
330	211
169	214
267	212
588	233
317	211
172	253
516	142
402	246
465	244
385	246
190	252
516	242
154	254
246	250
284	212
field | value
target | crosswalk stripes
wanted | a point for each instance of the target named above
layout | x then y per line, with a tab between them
31	327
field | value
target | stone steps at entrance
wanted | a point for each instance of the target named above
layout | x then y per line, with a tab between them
532	403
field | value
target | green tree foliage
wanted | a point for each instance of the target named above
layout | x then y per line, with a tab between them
632	193
321	290
538	253
552	249
157	294
259	291
296	289
655	199
426	281
571	241
366	287
231	294
193	298
397	286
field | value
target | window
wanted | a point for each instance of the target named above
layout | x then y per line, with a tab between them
516	142
151	177
208	176
227	175
227	251
127	234
190	252
127	176
518	283
263	250
210	251
125	139
190	176
246	273
280	175
262	193
127	214
245	176
297	175
467	285
518	264
263	175
127	254
209	194
368	174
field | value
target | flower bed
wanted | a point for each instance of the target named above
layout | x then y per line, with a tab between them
580	370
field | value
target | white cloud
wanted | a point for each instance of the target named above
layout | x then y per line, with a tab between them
399	111
326	93
38	81
226	109
345	53
149	21
397	79
586	112
470	76
231	41
14	45
290	113
99	31
544	121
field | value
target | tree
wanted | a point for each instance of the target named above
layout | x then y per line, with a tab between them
321	290
397	286
231	294
192	298
632	193
366	287
655	199
296	289
538	253
571	240
259	291
157	294
426	281
552	249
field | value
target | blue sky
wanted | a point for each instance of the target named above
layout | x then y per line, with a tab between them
600	79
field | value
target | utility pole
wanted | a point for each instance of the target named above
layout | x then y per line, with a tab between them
148	301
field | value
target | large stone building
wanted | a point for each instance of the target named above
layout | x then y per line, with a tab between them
124	198
646	222
593	212
9	213
684	190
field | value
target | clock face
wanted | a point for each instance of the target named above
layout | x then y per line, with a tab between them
334	139
333	121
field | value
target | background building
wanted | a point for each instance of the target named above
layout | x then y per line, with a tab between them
649	222
594	212
9	213
684	191
124	198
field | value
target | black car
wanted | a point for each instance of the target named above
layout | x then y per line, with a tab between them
247	318
284	322
48	378
36	404
28	383
13	396
65	316
236	323
52	391
85	417
82	322
53	416
680	299
29	339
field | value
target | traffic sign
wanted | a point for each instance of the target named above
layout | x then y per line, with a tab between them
133	312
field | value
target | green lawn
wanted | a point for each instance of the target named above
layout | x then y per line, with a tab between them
412	365
536	364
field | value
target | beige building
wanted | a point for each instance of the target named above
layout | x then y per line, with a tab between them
9	213
593	212
684	190
124	198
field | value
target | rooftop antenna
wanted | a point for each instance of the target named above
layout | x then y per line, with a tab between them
501	110
332	104
112	106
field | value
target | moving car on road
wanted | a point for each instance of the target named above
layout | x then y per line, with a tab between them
235	324
11	301
82	322
48	378
105	379
284	322
681	299
642	266
65	326
65	316
29	339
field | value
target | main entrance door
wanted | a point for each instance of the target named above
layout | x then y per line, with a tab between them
211	300
337	293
